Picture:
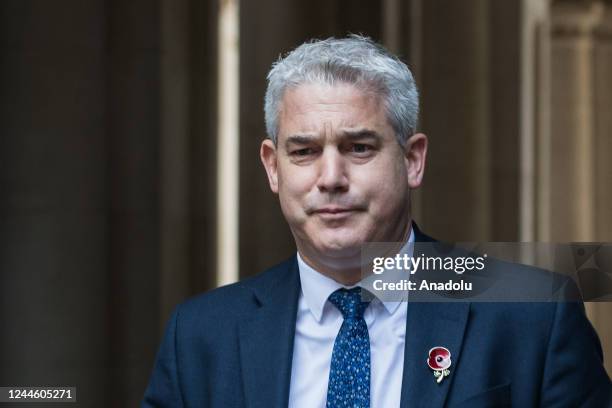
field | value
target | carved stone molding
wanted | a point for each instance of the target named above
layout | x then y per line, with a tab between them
603	32
576	19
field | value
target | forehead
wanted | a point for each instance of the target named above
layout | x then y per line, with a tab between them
315	108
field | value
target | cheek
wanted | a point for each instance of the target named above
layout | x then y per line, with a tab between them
292	191
293	186
388	202
390	194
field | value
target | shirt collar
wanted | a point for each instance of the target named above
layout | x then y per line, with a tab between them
317	287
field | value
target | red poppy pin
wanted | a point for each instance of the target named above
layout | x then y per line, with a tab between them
439	361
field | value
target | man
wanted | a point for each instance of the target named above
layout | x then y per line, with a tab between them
343	156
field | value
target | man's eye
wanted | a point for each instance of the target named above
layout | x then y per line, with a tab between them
302	152
361	148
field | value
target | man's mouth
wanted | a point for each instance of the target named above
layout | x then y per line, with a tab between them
334	212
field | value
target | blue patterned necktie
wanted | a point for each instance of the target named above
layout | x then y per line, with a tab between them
349	375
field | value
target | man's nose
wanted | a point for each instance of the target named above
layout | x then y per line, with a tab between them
332	172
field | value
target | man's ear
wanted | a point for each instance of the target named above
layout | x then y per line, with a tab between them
415	155
268	156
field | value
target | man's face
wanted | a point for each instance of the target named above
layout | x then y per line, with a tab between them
341	176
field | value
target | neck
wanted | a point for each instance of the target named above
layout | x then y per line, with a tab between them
346	271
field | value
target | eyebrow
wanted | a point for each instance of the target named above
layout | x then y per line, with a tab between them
299	139
350	135
361	134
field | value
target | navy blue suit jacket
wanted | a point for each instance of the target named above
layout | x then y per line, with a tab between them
232	347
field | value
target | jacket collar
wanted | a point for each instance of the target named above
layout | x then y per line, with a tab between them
428	325
431	325
266	337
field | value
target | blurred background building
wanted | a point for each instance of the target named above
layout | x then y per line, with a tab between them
129	168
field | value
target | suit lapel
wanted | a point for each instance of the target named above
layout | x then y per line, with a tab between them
430	325
266	341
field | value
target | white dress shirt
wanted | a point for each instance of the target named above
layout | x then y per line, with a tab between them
316	328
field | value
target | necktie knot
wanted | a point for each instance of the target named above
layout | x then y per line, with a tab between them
349	302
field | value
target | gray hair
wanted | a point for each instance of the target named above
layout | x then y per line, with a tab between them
355	60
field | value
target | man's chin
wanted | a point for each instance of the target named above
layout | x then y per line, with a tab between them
340	250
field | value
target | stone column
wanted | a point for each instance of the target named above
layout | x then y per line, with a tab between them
534	196
602	64
187	150
456	109
133	106
175	209
572	143
54	228
602	67
580	91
